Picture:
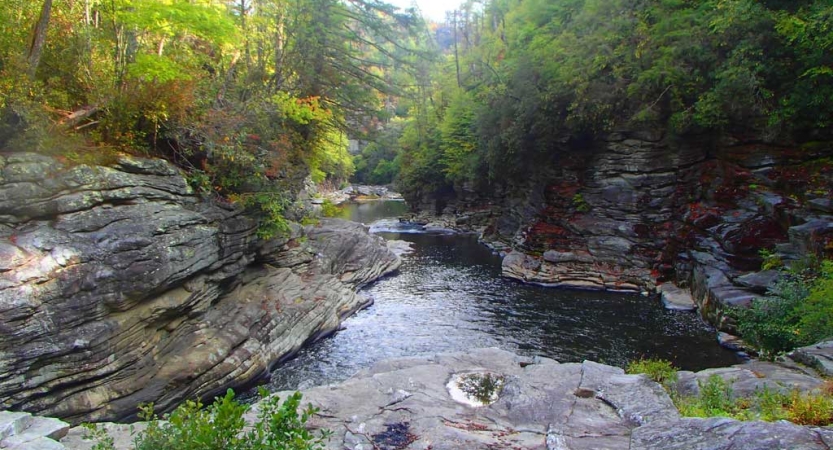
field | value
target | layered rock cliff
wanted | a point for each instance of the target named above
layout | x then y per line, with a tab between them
119	285
638	209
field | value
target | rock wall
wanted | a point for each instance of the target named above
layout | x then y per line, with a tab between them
637	209
120	286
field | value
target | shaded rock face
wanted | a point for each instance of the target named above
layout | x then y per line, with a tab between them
119	286
628	213
543	405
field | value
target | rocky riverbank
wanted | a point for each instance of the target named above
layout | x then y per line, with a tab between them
635	210
413	403
352	193
119	285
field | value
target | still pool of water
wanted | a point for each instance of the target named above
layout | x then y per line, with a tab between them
449	296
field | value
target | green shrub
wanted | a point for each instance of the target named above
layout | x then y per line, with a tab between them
221	427
716	396
771	260
715	400
810	409
797	311
816	312
580	203
329	209
269	208
659	370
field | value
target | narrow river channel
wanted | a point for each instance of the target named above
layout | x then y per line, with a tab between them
449	296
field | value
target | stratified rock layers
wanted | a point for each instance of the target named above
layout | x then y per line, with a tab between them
635	210
119	286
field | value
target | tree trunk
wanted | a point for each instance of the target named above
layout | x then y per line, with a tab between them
39	38
456	54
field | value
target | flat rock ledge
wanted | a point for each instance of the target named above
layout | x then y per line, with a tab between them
405	404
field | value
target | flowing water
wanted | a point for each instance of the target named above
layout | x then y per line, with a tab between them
449	296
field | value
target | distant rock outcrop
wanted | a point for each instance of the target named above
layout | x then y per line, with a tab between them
634	210
118	285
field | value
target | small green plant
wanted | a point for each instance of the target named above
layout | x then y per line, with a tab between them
329	209
771	260
308	220
103	441
810	409
770	405
716	396
269	208
580	204
659	370
199	181
715	400
221	426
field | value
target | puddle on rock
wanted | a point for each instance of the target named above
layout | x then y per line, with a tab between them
476	388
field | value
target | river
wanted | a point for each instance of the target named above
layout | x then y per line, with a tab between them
449	296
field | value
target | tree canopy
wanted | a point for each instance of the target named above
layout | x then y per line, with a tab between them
248	96
519	78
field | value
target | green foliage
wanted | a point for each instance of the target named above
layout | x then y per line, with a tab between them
248	97
328	209
221	426
659	370
103	441
817	310
377	163
797	311
770	324
269	207
580	204
331	158
810	409
716	399
458	141
771	260
523	81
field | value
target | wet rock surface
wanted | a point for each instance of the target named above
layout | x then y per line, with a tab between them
118	286
406	404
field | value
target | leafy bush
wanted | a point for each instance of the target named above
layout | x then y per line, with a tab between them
580	203
659	370
221	427
797	311
817	310
329	209
810	409
771	260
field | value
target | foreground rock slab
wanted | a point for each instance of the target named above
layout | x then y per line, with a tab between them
543	405
405	404
23	431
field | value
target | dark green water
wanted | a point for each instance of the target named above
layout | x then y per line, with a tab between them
449	296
